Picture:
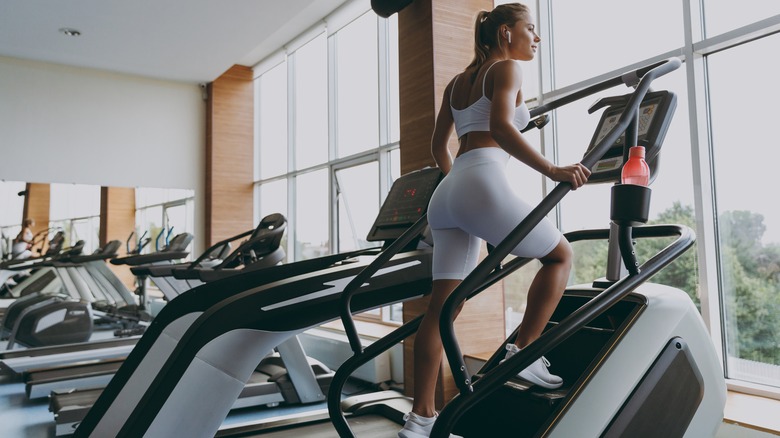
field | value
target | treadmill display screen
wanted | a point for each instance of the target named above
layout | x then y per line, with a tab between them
405	204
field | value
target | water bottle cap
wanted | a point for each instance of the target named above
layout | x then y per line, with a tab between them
636	151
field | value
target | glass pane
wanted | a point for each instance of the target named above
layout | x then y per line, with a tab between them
148	196
311	213
722	16
599	36
748	219
358	204
272	108
395	164
87	230
392	77
69	201
272	198
311	103
176	219
357	92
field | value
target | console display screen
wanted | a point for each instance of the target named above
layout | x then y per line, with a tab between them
405	204
646	112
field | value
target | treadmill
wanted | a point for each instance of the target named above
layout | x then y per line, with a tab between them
635	357
57	373
207	343
261	250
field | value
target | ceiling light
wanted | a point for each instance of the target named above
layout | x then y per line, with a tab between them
70	32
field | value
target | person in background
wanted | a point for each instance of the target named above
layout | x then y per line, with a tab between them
484	105
23	241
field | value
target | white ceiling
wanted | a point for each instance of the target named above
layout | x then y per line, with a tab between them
179	40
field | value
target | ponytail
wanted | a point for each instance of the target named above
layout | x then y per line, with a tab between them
481	48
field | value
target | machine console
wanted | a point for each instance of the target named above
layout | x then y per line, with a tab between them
655	115
405	204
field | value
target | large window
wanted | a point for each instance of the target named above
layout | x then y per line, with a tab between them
327	133
310	103
716	165
594	37
743	122
75	210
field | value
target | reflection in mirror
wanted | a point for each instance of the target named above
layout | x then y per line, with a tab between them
162	214
74	209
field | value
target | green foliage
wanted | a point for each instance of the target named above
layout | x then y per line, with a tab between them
751	289
683	272
750	272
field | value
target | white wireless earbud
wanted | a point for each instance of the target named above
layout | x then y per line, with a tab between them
508	37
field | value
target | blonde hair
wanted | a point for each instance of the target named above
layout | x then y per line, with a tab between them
28	222
487	28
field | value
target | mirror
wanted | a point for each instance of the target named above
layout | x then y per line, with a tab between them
75	209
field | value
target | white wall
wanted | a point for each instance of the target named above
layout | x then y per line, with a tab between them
74	125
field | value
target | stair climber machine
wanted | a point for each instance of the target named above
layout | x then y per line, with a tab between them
67	296
79	383
52	309
260	250
206	343
174	250
14	271
635	357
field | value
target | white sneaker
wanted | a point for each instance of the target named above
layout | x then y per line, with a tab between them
417	426
536	373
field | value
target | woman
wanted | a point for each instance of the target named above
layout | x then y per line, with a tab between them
484	104
23	241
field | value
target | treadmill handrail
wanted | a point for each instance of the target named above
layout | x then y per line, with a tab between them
223	242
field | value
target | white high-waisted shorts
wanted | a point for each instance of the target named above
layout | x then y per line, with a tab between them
474	201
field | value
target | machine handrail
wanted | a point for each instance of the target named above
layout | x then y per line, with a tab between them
221	243
353	286
482	270
551	338
361	357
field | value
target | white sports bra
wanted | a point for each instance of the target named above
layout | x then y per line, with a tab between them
476	117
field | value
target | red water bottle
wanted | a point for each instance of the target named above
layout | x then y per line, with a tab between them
636	171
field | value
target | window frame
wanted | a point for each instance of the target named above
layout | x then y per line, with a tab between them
331	25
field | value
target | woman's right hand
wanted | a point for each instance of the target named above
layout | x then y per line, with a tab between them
575	174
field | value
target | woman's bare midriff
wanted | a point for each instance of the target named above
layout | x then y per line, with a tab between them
476	140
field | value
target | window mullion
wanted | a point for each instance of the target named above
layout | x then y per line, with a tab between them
696	77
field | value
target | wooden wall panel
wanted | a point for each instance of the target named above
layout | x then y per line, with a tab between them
435	44
229	155
117	221
36	206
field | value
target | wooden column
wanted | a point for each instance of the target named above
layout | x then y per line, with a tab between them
229	155
435	43
117	221
36	206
